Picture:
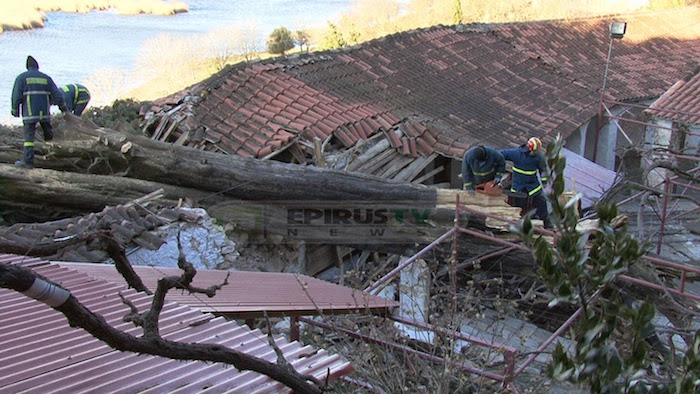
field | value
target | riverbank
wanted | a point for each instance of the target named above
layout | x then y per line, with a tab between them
30	14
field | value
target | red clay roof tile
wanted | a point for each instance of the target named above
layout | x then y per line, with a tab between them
423	147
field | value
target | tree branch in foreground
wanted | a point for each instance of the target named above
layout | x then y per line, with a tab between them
25	281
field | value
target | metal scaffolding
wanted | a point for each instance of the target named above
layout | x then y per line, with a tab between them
510	354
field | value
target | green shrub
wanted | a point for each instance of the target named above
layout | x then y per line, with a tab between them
120	112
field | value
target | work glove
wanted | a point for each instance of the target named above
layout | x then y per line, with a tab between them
471	192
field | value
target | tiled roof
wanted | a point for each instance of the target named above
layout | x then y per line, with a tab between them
252	294
681	103
446	88
42	353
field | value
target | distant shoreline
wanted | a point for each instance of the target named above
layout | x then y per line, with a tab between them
31	14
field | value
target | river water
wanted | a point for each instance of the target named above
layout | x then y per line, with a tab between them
71	47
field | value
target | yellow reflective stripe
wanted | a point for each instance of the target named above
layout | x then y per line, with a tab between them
75	98
38	81
468	184
524	172
28	143
483	173
535	190
544	179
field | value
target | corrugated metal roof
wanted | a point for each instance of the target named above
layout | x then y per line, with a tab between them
251	294
41	353
587	177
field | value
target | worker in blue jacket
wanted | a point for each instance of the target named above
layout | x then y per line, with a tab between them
32	96
76	97
529	176
481	164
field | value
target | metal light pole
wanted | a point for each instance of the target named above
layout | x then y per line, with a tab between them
617	30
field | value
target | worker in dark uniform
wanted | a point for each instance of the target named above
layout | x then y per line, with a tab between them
529	176
32	96
481	164
76	97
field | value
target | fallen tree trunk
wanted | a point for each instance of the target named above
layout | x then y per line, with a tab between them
134	156
75	192
98	167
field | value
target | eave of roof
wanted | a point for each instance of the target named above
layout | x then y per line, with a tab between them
681	103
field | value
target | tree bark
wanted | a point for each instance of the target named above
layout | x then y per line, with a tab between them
111	152
86	168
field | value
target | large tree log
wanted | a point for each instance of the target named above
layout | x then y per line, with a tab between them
139	157
76	192
97	167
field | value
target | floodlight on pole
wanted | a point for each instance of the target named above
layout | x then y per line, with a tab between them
617	30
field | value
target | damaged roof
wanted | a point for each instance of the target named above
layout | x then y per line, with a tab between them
42	353
74	239
437	90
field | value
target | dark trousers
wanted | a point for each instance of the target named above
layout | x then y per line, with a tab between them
29	131
538	201
79	108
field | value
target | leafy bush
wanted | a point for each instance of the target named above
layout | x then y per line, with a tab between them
121	112
280	41
579	269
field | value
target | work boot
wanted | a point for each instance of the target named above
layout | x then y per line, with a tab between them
27	160
548	224
22	164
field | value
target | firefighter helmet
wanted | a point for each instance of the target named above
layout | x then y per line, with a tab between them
534	144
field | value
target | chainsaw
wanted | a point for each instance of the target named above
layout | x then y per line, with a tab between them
490	188
493	188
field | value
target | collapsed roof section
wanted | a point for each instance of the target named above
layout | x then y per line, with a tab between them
431	91
77	238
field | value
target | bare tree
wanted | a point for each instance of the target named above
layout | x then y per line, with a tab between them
222	43
107	85
249	43
301	38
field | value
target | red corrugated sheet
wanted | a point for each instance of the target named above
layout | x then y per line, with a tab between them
252	294
41	353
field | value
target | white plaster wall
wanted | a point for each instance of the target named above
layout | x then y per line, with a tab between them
575	142
205	244
414	296
657	137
